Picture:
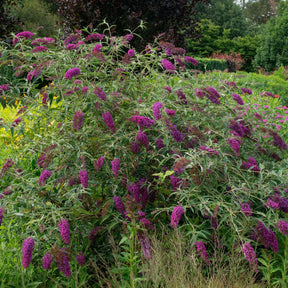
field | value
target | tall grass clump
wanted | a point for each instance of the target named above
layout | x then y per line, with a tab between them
114	144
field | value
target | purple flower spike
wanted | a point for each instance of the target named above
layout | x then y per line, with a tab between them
245	208
131	53
109	121
115	167
72	73
234	144
146	245
170	112
97	47
80	259
176	216
157	110
40	49
64	230
100	93
159	143
201	249
99	163
83	177
78	120
22	35
47	260
238	99
63	263
142	138
190	60
119	205
142	121
250	256
168	66
27	249
135	147
1	214
44	176
283	227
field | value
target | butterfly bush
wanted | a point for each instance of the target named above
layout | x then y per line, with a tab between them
164	124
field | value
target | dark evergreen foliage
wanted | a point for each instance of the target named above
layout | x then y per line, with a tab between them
173	17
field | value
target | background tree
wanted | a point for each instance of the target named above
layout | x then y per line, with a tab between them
273	51
8	23
171	17
258	12
226	14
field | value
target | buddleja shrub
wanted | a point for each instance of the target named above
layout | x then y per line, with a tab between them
119	142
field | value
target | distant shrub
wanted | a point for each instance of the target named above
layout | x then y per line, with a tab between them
36	17
208	64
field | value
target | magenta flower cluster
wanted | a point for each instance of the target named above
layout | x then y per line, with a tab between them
190	60
283	227
119	205
142	121
212	94
100	93
115	164
72	73
64	230
251	163
176	216
246	209
47	260
63	264
6	166
22	35
44	176
1	214
264	236
168	65
80	259
27	249
201	249
99	163
174	132
157	106
146	245
4	87
40	49
237	98
107	117
234	144
78	120
250	256
142	139
83	177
